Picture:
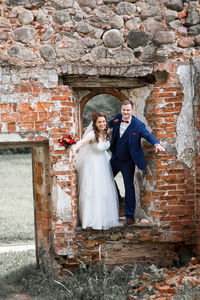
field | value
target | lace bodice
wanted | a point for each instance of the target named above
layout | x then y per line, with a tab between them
99	147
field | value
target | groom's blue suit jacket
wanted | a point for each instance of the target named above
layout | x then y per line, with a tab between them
129	145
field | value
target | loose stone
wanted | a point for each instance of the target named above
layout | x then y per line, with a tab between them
194	30
78	17
136	39
26	3
112	38
3	35
152	25
148	13
84	27
48	53
186	42
62	4
197	40
47	34
149	54
174	4
133	24
23	34
61	17
89	3
163	37
87	41
192	18
125	8
41	17
170	15
174	24
117	22
25	17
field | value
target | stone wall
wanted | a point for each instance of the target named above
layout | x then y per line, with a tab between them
54	56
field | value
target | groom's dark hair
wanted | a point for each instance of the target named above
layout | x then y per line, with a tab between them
126	102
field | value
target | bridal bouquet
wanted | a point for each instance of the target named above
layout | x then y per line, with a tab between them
67	141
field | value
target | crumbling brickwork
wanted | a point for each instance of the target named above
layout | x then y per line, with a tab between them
56	53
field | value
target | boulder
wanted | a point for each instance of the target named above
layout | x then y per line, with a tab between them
84	27
41	17
47	34
62	4
192	18
163	37
61	17
170	15
26	3
194	30
125	8
136	39
174	4
48	53
149	13
112	38
186	42
23	34
25	17
89	3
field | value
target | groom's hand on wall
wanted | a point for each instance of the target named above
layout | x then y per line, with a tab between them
159	148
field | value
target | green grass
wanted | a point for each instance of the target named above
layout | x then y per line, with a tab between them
18	273
16	198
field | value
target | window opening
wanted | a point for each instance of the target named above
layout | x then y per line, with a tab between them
17	230
111	106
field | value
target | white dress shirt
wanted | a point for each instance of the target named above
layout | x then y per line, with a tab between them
123	127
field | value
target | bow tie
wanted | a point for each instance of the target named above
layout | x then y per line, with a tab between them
123	121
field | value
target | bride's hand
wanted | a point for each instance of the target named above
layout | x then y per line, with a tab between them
74	149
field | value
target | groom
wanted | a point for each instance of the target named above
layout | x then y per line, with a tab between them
127	152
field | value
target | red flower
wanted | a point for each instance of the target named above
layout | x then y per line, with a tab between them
67	141
71	141
115	121
134	133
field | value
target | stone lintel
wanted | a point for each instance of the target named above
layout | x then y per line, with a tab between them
106	82
123	71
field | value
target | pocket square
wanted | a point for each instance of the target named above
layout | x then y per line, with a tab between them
134	133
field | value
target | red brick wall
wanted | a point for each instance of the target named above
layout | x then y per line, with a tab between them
174	193
171	203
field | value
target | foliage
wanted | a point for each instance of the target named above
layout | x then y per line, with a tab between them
16	198
96	282
103	102
11	264
18	273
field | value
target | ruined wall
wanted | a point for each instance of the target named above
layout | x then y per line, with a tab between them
54	51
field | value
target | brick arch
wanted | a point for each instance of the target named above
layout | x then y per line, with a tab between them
94	93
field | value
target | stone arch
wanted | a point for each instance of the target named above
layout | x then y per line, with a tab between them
139	175
96	92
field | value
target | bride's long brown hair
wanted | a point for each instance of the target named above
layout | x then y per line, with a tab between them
96	132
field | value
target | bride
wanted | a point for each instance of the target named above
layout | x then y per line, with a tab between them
98	199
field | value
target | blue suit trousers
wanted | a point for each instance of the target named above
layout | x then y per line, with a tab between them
127	168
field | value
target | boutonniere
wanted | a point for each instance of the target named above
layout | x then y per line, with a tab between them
116	121
134	133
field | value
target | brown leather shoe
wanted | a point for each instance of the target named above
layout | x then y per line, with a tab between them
129	222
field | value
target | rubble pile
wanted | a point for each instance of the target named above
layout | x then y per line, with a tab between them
165	284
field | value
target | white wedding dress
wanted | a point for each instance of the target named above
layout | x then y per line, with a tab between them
98	199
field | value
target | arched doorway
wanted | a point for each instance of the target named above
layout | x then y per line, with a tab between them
108	101
102	100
